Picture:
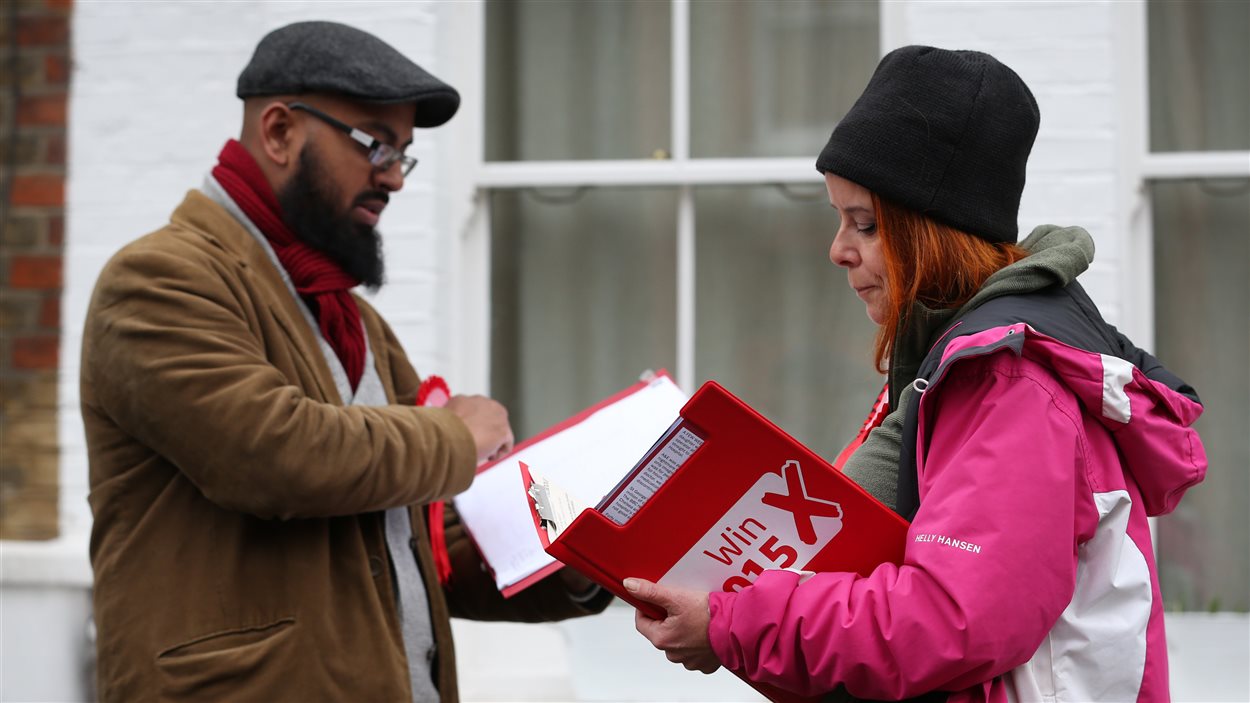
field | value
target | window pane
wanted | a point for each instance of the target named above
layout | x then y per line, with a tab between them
776	323
1202	324
577	80
772	78
583	297
1199	90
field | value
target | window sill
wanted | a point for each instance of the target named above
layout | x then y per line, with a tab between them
59	562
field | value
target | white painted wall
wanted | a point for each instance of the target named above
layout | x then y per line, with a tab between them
153	100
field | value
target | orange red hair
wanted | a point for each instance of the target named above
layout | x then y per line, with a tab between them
930	263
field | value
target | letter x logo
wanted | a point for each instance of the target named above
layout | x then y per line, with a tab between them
801	505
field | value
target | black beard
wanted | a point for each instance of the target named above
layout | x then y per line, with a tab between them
308	209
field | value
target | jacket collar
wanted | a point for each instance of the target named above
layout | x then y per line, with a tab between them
204	216
911	343
1057	255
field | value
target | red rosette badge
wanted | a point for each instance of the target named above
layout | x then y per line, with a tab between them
434	393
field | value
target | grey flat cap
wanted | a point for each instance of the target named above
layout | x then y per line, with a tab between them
327	57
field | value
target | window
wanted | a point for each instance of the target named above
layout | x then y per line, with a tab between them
1199	171
584	297
654	203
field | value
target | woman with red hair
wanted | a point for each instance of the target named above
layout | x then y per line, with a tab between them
1027	440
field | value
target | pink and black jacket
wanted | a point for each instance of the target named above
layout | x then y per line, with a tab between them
1039	444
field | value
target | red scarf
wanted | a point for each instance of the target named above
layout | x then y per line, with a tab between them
316	276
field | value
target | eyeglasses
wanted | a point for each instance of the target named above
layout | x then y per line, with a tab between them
381	155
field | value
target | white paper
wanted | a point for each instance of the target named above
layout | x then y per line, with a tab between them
586	460
677	449
554	505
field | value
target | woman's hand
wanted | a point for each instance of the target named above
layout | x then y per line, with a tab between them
682	634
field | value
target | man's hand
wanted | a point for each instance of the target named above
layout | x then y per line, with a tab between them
575	581
488	423
682	634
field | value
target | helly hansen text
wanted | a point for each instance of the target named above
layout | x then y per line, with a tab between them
956	543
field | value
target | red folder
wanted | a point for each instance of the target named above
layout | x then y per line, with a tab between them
723	495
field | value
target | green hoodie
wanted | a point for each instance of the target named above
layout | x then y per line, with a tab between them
1057	255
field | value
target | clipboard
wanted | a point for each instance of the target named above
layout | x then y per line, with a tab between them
721	496
590	449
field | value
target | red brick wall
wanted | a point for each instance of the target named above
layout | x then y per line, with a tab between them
33	98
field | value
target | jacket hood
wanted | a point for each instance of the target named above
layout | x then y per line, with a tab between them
1057	255
1147	409
1151	423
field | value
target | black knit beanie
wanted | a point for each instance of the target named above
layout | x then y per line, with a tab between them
945	133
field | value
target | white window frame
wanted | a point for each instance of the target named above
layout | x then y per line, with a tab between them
1199	642
679	171
1140	167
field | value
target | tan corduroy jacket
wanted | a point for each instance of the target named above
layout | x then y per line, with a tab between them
238	544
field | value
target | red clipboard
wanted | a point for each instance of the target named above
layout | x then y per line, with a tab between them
723	495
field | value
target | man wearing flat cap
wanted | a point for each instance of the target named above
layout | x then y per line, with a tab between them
263	484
